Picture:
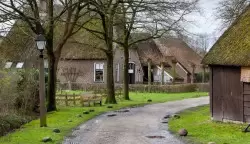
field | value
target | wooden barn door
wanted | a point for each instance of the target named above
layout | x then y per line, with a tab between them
232	94
216	103
227	98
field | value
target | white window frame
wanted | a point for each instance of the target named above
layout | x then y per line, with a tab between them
19	65
100	63
8	65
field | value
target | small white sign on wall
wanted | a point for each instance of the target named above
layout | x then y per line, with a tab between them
130	71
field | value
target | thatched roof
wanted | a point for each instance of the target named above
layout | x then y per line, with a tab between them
233	47
19	45
148	50
174	47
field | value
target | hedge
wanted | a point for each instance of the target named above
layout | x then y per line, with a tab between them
9	123
177	88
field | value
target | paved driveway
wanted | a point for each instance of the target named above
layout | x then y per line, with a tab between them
133	127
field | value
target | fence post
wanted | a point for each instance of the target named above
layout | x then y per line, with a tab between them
66	99
74	98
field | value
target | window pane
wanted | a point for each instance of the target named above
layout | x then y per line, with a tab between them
101	66
97	66
99	76
8	64
19	65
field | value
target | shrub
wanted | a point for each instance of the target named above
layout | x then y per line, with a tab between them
18	98
178	88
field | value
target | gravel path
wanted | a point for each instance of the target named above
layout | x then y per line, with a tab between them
133	127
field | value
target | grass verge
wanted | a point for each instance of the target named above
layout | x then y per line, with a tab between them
201	129
31	133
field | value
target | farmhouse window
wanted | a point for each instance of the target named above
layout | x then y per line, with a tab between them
19	65
98	73
8	65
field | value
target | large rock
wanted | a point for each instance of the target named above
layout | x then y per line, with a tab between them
183	132
46	139
211	143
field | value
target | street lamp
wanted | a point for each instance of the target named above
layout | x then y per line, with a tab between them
41	44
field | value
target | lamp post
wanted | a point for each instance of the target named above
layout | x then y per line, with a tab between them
41	44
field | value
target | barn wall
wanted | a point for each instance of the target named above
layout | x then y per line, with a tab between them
227	98
246	94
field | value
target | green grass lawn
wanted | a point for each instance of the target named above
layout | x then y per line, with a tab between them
202	130
31	133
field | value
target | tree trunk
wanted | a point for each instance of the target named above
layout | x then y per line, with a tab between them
51	86
162	73
110	80
125	74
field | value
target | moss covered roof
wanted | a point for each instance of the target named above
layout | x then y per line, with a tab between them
19	45
233	47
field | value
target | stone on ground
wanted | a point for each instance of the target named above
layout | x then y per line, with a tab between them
46	139
56	130
176	116
183	132
211	143
92	110
111	115
85	112
167	116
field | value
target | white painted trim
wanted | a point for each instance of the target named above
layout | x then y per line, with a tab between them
182	68
165	72
102	70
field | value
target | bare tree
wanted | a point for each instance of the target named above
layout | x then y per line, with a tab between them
229	10
44	17
154	19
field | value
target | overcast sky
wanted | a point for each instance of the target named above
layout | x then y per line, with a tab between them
206	21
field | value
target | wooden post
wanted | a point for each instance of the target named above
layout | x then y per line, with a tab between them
162	73
74	98
193	72
149	72
66	99
43	121
174	62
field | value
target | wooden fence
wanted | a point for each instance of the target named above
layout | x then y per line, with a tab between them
68	98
